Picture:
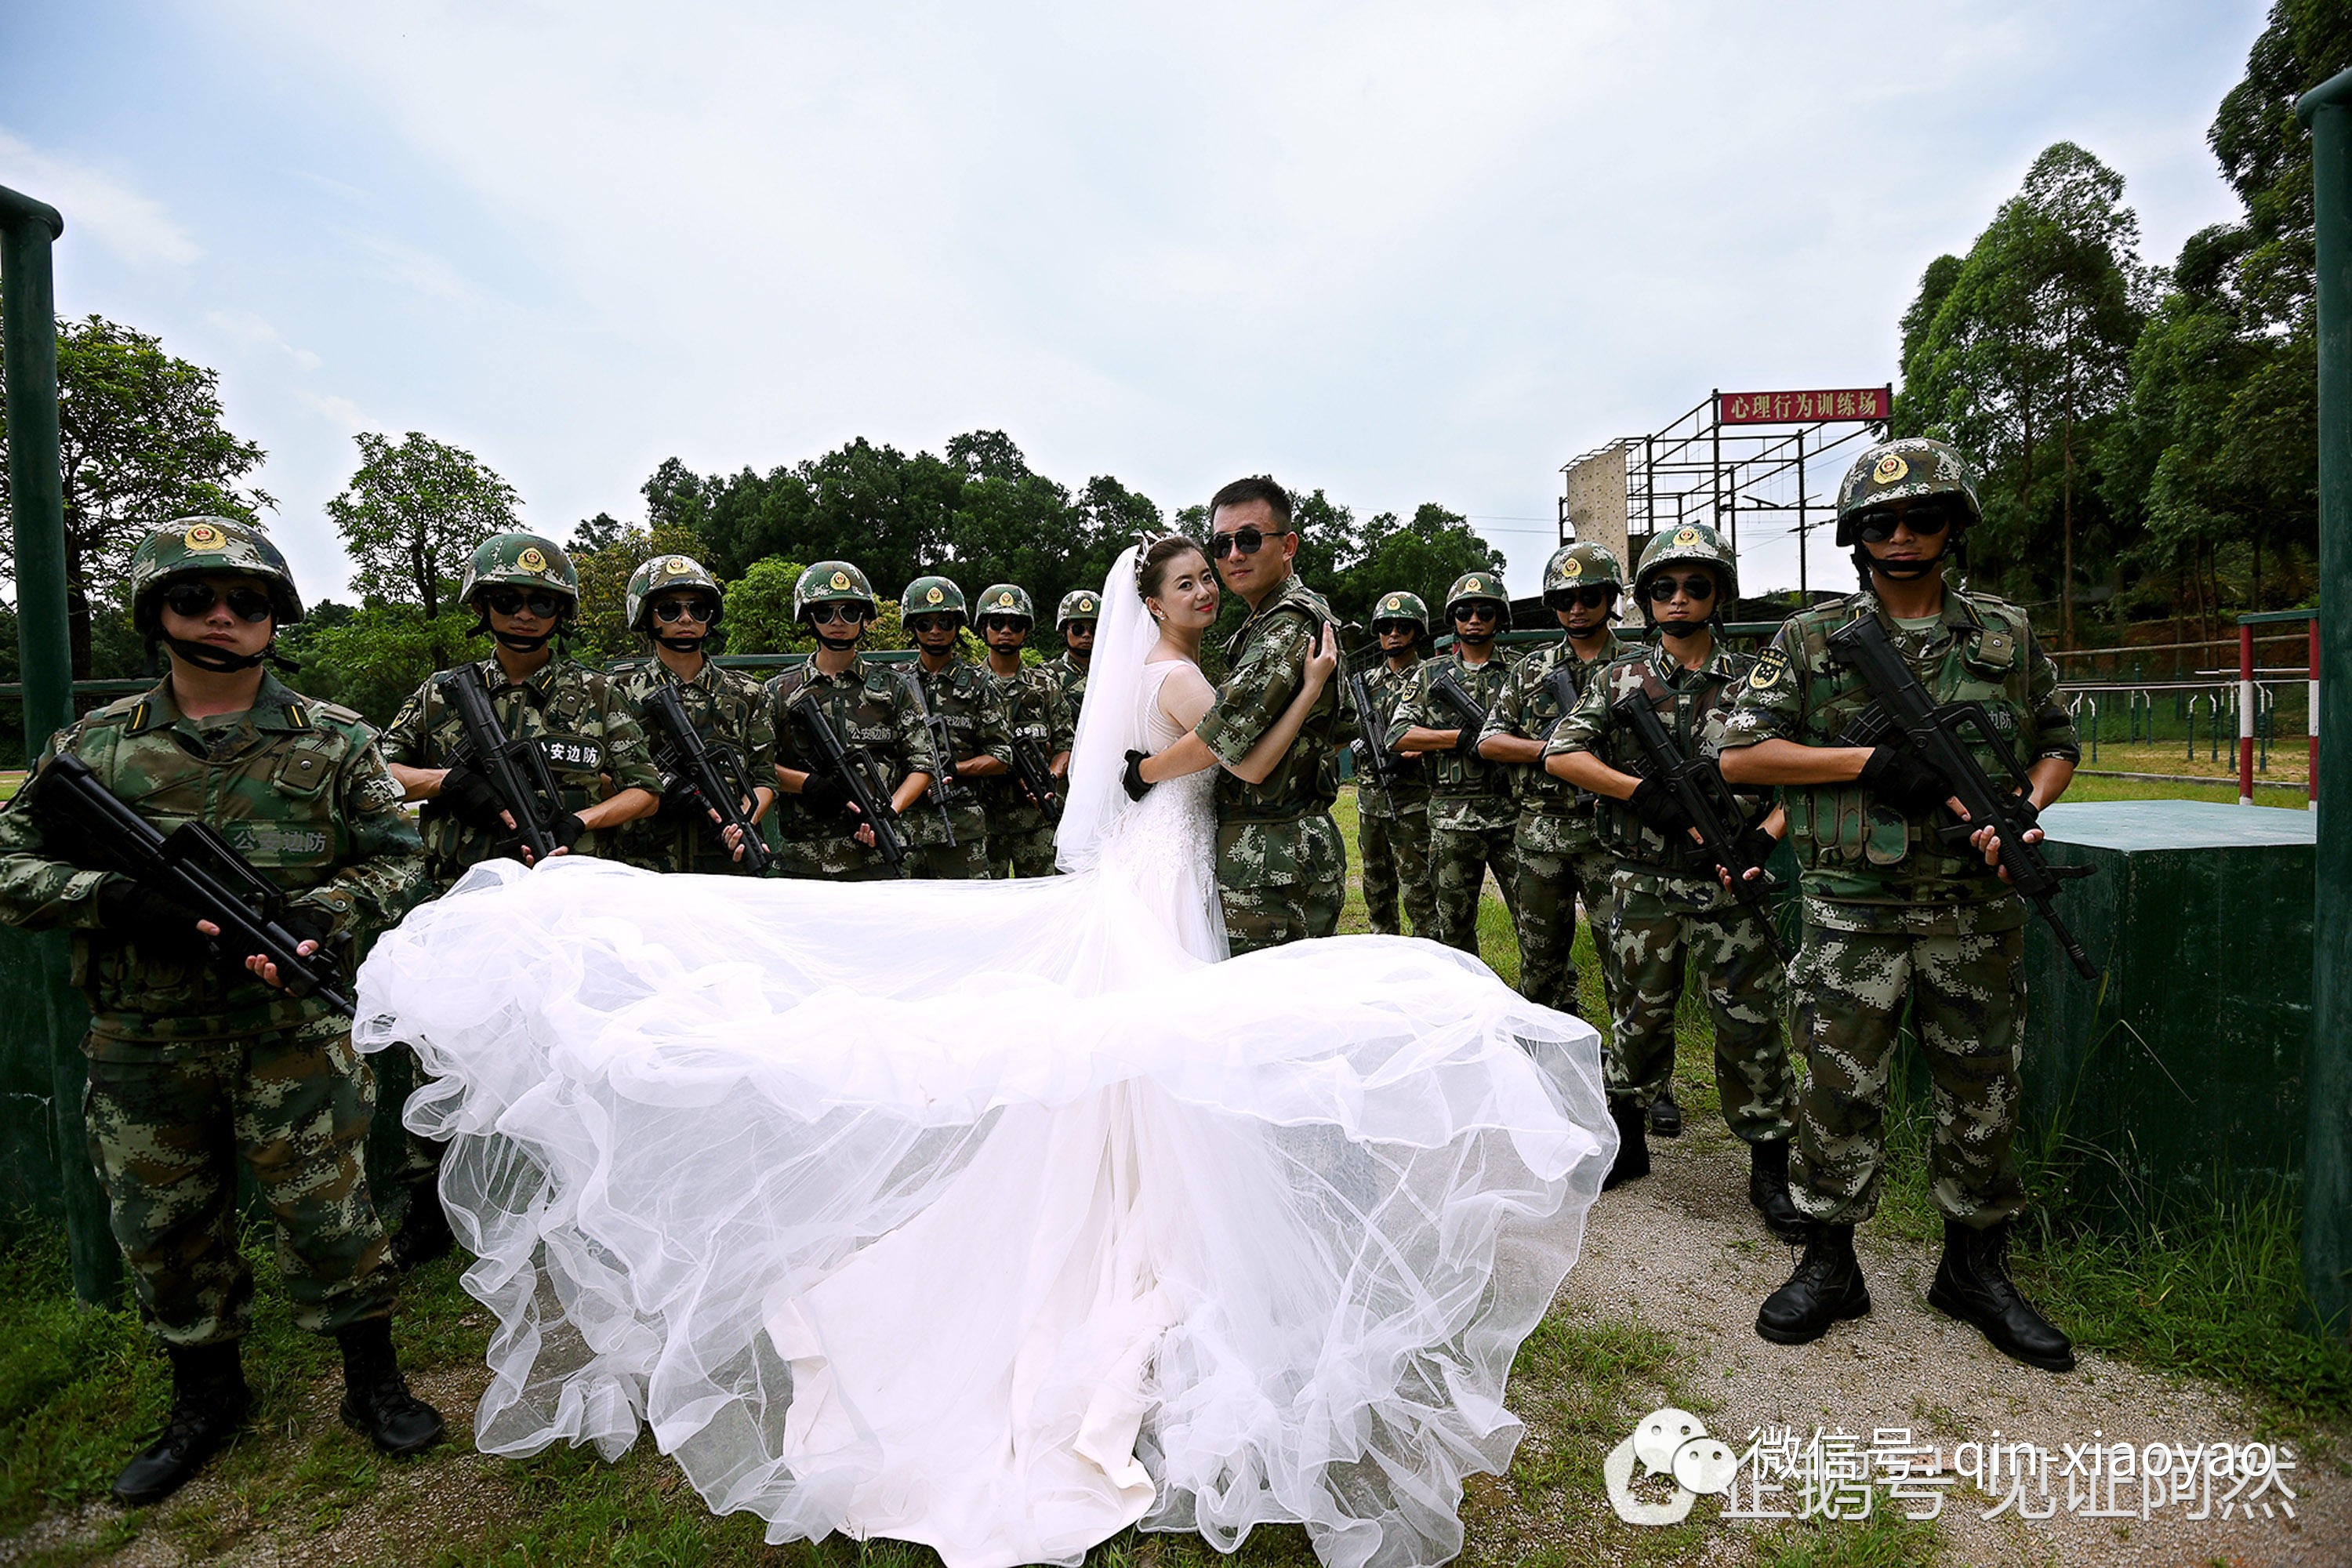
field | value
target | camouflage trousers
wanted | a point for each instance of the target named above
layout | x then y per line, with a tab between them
1395	852
1545	913
1028	853
1655	936
168	1135
966	861
1966	998
1262	912
1459	859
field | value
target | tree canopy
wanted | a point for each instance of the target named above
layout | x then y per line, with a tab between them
411	514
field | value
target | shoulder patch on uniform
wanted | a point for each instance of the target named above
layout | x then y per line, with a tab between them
1769	669
298	715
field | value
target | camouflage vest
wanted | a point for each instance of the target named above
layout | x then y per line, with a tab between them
1306	778
1460	776
1386	687
869	708
1851	845
964	698
728	709
1030	703
1695	705
1529	707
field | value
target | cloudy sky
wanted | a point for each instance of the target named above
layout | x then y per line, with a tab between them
1405	252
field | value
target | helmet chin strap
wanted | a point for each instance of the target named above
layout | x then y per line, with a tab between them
1897	571
205	656
516	642
1684	628
832	643
682	645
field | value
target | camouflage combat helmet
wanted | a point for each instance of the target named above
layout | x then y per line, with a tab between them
1691	542
1584	564
1475	585
521	561
189	545
931	596
665	575
1400	607
1004	599
1077	605
1901	470
831	583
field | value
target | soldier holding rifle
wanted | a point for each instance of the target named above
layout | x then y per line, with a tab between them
567	764
1393	818
676	605
1472	820
967	729
1036	713
1909	906
851	746
1675	910
203	1060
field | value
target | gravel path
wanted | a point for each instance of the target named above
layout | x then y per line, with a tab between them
1682	1251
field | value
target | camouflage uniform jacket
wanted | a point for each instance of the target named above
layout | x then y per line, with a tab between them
1034	708
871	708
1695	705
730	710
1465	793
1868	866
1073	676
1260	834
964	697
1555	816
295	785
586	729
1387	687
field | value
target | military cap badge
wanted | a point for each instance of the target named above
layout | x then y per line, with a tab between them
203	536
677	566
1571	568
1003	601
1394	603
840	580
1688	536
531	559
934	595
1888	469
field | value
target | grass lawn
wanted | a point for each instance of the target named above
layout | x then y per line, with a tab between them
2213	1295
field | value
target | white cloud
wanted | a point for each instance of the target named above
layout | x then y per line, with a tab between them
247	328
134	226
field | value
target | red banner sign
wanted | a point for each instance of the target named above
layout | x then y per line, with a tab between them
1802	407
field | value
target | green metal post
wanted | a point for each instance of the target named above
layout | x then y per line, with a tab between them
2327	1152
28	349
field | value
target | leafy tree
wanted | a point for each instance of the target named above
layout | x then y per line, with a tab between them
759	610
140	441
413	513
1422	556
370	658
601	631
2029	349
596	532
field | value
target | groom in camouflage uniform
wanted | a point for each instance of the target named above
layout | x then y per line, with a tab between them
1282	870
200	1066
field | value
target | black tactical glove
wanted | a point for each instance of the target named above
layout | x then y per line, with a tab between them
681	798
1900	779
309	923
145	915
1363	758
567	829
1755	846
825	796
1132	778
470	797
1466	740
1655	804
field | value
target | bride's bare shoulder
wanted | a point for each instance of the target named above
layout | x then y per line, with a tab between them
1184	692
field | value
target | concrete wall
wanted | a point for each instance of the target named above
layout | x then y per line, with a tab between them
1596	500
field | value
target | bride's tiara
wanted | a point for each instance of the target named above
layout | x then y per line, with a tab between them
1145	540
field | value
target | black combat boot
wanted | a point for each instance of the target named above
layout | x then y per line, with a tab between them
1972	1284
209	1400
424	1234
1665	1116
1633	1160
1826	1288
1768	1189
376	1400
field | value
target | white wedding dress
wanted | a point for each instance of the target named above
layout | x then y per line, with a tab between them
999	1215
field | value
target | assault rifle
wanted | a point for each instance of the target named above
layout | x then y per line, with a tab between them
1373	750
1472	717
936	725
1035	778
852	768
1933	734
717	777
193	865
1707	803
515	766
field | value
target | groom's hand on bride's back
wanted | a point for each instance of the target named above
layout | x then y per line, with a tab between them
1137	786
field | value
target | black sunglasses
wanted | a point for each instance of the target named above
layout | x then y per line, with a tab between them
1003	623
855	614
1878	527
1582	598
1383	628
193	599
699	610
1478	610
513	601
1247	539
1700	588
932	624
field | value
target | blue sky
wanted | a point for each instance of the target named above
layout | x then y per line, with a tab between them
1405	252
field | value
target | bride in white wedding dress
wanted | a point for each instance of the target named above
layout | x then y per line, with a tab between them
1001	1215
